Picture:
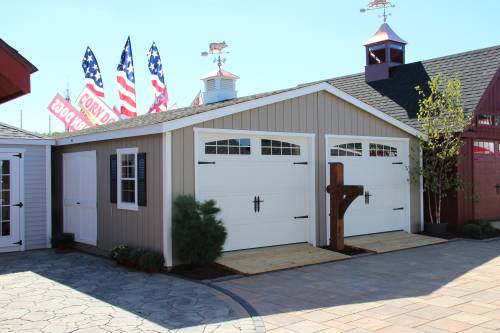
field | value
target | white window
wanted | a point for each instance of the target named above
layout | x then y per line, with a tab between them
347	149
127	178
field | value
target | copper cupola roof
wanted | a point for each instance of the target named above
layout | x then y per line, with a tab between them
384	33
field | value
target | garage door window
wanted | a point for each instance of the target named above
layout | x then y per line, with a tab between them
275	147
228	147
347	149
484	148
378	150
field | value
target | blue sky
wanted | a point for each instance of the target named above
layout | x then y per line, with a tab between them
273	44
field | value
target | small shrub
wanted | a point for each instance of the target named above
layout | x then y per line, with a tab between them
63	241
121	254
485	226
472	230
150	261
135	254
198	236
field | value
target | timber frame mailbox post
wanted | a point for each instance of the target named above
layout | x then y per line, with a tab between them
341	196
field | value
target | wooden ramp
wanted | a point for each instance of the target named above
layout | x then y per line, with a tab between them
274	258
391	241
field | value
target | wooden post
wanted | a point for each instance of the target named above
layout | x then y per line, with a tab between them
341	196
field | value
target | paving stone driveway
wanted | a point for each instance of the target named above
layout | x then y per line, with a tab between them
452	287
43	291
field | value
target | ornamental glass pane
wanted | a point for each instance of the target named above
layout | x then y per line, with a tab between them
484	148
276	147
230	146
347	149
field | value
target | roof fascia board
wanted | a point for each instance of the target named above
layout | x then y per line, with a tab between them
236	108
28	142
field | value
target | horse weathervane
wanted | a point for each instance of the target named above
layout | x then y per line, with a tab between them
216	49
377	5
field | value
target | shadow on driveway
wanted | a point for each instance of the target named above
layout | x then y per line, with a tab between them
27	297
381	284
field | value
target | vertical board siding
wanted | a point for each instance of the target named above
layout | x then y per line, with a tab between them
35	203
143	228
320	113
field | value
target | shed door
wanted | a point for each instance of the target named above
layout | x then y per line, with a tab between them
382	167
80	196
10	206
487	180
261	185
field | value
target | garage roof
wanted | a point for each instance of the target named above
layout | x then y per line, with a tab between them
395	97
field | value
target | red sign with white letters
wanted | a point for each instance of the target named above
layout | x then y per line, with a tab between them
65	112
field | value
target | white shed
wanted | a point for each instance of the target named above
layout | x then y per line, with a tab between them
25	190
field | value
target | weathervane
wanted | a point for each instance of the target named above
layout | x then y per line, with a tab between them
376	5
216	49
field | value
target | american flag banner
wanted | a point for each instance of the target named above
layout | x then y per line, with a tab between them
126	82
197	100
93	78
157	80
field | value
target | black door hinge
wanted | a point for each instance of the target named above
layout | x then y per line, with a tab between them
399	208
18	155
19	243
20	205
301	163
202	162
301	217
397	162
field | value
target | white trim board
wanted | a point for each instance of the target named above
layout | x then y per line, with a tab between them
28	142
167	198
236	108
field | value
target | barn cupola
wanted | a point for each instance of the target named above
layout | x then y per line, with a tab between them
220	85
385	49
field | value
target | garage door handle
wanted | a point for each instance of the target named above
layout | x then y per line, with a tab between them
301	217
399	208
202	162
301	163
397	162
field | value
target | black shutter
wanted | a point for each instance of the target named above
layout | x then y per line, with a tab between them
141	179
113	178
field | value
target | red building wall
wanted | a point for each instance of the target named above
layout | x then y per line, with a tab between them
480	198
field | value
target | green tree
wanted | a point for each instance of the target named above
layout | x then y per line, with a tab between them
198	235
442	120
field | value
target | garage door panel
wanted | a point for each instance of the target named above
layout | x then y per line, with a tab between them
385	178
236	181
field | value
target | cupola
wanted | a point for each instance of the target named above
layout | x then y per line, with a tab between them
220	85
385	49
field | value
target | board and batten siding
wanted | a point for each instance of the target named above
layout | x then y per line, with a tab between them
142	228
319	113
35	202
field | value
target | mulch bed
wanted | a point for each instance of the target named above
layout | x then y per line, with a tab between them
348	250
206	272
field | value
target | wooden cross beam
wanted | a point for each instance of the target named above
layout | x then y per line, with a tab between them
341	196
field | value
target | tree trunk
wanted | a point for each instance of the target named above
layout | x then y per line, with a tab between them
429	197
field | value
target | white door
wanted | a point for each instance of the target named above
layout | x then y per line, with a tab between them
261	183
80	196
10	204
382	167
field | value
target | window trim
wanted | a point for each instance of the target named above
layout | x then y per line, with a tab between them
119	203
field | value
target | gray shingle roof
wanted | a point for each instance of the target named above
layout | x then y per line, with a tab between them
395	96
11	132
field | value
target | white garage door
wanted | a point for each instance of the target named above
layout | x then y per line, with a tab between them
261	183
80	196
382	167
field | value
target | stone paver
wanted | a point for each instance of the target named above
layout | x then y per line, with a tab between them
48	292
450	287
